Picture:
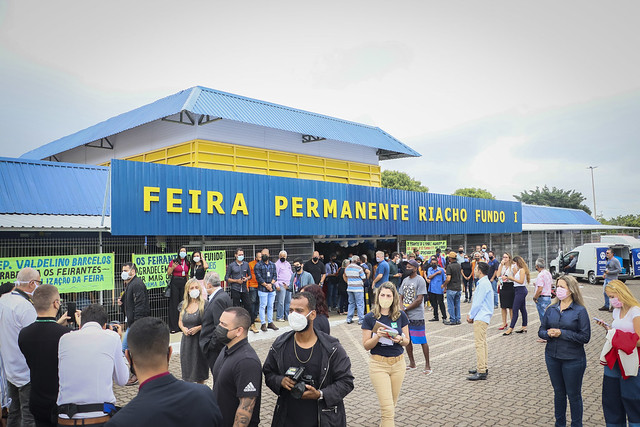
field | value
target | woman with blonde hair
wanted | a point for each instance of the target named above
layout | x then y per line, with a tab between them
506	270
192	361
385	332
520	282
565	326
621	386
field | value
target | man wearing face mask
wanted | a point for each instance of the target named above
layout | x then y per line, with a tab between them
394	272
238	275
267	276
299	280
135	303
324	361
316	268
17	312
238	371
382	272
217	301
155	405
283	273
436	276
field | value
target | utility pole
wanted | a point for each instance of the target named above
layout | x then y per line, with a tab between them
593	190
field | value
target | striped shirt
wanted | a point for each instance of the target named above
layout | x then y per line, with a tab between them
355	276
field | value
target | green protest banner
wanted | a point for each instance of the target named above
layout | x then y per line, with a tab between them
217	261
69	273
426	247
152	268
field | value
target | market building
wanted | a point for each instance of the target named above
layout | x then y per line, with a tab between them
213	171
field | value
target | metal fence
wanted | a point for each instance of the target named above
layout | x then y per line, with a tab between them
52	244
530	245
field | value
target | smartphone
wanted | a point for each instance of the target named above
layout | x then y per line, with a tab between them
71	311
600	320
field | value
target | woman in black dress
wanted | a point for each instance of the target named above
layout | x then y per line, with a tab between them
178	270
506	271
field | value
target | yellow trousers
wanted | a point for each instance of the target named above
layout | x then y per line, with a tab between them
387	374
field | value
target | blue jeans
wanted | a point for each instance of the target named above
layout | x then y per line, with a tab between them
287	302
494	285
266	301
125	344
620	398
453	304
566	379
519	305
356	299
280	297
332	294
606	297
542	304
255	303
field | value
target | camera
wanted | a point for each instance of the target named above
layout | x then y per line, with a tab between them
114	326
298	375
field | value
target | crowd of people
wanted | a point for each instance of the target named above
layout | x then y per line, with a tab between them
49	376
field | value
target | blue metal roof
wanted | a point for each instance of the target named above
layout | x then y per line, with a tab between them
532	214
201	100
52	188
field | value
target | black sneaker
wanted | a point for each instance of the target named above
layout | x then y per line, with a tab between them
477	376
475	371
603	308
435	319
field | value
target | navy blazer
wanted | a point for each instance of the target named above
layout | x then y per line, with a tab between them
168	401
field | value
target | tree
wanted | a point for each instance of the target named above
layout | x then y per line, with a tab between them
623	220
401	181
555	197
478	193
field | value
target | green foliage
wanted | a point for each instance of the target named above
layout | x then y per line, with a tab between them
401	181
555	197
623	220
478	193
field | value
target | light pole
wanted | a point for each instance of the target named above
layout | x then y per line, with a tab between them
593	190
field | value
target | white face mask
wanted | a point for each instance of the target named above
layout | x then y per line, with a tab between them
183	254
196	259
297	321
124	275
194	293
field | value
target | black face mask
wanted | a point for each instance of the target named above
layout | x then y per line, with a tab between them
283	259
298	267
221	335
460	252
434	265
490	257
314	259
265	258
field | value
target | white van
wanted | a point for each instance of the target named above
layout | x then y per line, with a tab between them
591	261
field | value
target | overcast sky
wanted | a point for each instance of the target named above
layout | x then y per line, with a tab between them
503	95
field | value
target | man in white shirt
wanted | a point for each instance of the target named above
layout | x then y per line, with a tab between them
89	361
17	312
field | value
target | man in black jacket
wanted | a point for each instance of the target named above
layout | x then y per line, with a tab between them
136	297
316	397
218	301
162	400
134	302
39	344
